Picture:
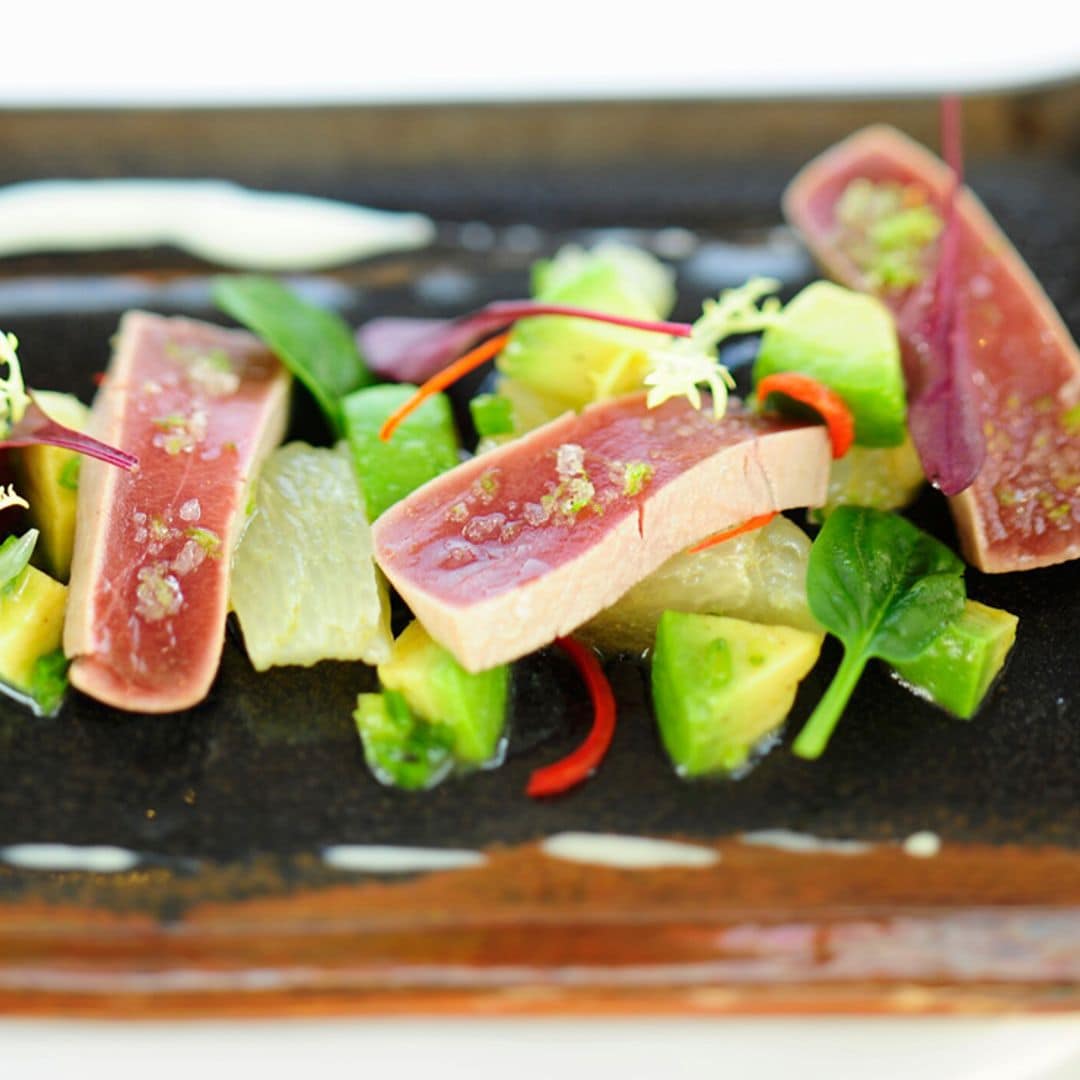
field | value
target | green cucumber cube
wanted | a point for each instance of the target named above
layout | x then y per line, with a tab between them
492	415
424	445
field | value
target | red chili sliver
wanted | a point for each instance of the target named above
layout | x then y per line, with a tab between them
578	766
440	381
827	403
749	525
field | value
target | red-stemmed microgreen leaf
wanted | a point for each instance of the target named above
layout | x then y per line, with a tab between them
37	428
942	409
413	350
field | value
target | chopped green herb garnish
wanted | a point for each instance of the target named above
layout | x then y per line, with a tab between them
49	682
575	495
1070	420
208	540
69	474
636	475
887	229
401	749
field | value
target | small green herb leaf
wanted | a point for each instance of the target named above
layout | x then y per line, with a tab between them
49	682
316	345
15	554
69	474
401	749
885	589
636	475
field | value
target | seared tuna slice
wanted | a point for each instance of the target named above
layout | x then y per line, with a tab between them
1023	509
201	407
525	543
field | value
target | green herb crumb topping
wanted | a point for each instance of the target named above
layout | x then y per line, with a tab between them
887	229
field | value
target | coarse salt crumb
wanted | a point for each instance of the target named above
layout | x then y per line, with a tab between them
570	460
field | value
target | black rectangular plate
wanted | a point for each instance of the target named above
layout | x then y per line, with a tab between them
271	765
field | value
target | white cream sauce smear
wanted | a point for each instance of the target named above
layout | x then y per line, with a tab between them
215	220
626	852
803	843
99	859
389	859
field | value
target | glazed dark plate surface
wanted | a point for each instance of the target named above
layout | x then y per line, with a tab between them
268	771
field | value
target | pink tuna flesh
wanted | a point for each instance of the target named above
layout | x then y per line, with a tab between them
201	407
1023	508
525	543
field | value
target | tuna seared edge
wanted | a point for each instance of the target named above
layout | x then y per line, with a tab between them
525	543
201	407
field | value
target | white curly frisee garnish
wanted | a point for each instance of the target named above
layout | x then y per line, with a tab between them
10	497
13	397
681	367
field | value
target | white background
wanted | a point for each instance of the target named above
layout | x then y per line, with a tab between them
197	51
200	53
640	1049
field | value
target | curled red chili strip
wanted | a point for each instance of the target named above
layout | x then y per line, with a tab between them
729	534
579	765
442	379
825	401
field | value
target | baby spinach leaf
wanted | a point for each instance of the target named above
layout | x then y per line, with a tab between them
316	345
885	589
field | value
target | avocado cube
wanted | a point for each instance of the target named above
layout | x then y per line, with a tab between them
720	685
31	625
439	690
963	661
847	341
48	478
424	445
